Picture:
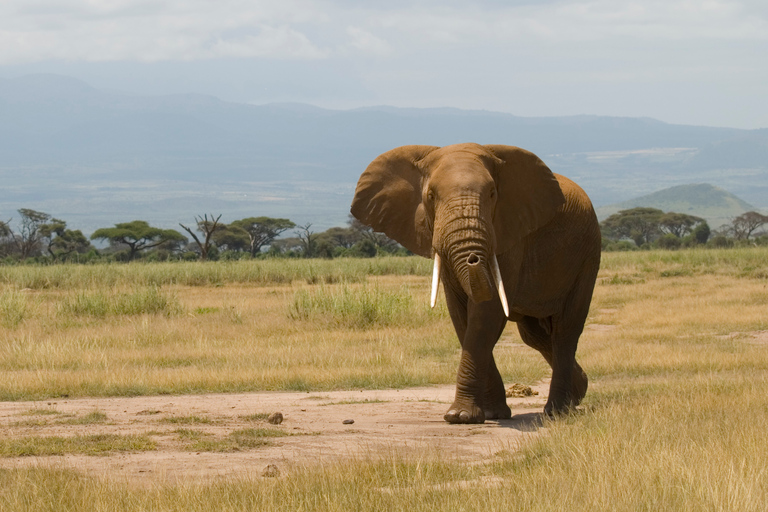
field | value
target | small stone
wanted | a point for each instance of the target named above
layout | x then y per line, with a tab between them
275	418
271	471
520	390
348	422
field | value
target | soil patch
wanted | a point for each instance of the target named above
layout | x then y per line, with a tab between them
189	429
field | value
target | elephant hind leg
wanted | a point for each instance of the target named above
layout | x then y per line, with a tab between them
535	335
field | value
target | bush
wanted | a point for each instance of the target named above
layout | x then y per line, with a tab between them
622	245
669	242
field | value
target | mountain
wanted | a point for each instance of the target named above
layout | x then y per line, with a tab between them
712	203
96	157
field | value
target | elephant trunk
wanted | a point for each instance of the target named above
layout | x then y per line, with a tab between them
465	242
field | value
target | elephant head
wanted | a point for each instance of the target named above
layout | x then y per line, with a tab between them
462	204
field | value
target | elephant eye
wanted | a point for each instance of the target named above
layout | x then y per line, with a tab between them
431	195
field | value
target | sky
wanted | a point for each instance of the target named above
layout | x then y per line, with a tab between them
700	62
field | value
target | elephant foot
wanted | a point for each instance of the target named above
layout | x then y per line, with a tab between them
459	413
498	413
559	407
579	384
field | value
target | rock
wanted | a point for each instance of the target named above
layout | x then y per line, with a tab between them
520	390
275	418
348	422
271	471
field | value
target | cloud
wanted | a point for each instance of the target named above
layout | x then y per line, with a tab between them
150	31
136	30
365	42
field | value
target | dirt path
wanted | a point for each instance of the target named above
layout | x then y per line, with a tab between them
384	420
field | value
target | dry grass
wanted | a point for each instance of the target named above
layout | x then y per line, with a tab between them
675	418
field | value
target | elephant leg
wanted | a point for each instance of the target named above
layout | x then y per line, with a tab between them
538	334
495	401
478	383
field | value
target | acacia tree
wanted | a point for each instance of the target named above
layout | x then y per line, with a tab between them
678	224
370	237
60	241
262	230
308	240
232	238
207	228
137	235
746	224
640	224
28	239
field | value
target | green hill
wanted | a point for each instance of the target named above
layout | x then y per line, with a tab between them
714	204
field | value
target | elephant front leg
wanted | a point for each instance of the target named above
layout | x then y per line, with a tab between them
478	384
495	402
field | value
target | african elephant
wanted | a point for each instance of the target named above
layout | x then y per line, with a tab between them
510	240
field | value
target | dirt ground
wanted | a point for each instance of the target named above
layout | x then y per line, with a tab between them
406	419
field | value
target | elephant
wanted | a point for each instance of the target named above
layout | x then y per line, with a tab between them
510	240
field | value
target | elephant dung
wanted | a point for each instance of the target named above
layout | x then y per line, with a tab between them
520	390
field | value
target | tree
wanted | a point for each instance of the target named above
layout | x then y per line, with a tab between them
232	238
262	230
207	228
702	232
138	235
7	245
746	224
640	224
678	224
379	240
28	239
308	240
60	241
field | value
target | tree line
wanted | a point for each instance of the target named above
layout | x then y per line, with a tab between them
651	228
40	237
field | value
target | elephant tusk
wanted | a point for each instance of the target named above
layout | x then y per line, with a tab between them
500	286
435	281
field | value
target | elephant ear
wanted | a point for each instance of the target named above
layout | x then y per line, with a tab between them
388	198
529	195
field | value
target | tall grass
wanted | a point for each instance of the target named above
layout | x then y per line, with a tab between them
13	308
361	307
268	272
148	300
675	417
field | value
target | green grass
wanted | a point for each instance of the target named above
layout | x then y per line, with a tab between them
149	300
188	420
252	272
258	416
238	440
92	418
360	307
99	444
13	308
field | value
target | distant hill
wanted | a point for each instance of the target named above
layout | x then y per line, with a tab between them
712	203
95	158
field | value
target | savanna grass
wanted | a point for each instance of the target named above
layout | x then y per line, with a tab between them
268	272
360	307
97	444
13	308
148	300
675	417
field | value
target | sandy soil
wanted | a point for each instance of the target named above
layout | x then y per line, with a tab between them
407	419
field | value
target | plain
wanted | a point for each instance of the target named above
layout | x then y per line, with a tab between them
676	348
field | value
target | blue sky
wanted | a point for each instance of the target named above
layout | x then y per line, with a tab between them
681	61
